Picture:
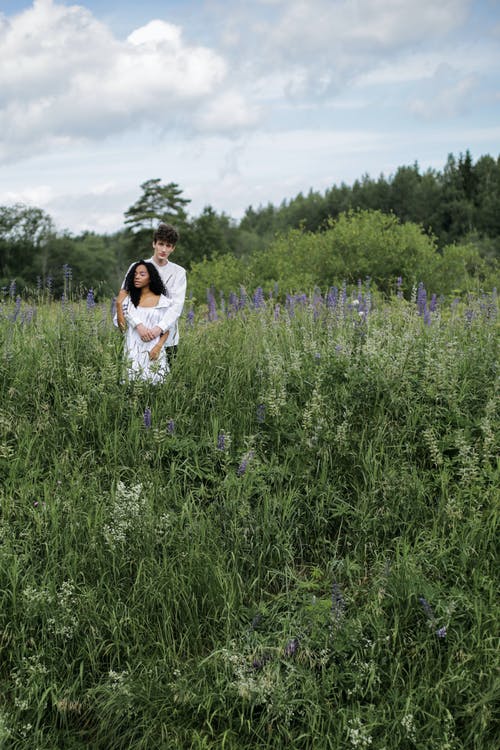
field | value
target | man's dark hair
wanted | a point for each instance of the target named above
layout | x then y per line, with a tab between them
155	282
166	233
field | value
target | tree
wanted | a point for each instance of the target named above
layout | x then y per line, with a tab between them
487	199
454	217
24	234
158	203
207	234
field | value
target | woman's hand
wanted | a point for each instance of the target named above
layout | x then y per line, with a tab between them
120	319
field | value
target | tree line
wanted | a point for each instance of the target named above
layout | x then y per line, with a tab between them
456	207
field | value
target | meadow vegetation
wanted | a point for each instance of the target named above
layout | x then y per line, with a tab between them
358	244
291	542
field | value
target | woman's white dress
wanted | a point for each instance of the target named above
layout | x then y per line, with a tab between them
136	351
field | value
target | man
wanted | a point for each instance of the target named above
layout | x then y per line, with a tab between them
173	276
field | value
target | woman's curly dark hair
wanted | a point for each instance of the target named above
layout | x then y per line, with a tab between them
155	282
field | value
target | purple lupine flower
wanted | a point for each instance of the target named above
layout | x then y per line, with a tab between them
441	632
170	426
421	299
234	304
16	309
469	316
28	315
12	289
244	463
260	662
242	467
258	298
147	418
343	296
90	299
318	302
332	297
427	608
399	287
433	303
212	305
291	647
290	305
190	317
243	298
49	284
221	442
427	317
261	413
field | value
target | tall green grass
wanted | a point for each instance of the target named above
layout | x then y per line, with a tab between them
300	549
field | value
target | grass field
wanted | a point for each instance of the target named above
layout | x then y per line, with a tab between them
291	542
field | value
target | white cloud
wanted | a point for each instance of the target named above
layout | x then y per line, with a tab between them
36	195
319	48
64	77
226	112
342	32
478	57
446	94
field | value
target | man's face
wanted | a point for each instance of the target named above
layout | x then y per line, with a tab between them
162	251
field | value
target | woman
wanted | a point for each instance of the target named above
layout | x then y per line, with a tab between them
143	308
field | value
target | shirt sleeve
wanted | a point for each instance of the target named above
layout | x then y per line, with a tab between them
177	295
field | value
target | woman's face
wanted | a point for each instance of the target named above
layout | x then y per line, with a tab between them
141	277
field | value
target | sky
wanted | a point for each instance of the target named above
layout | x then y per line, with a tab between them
240	103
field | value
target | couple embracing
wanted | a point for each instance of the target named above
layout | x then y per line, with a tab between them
148	308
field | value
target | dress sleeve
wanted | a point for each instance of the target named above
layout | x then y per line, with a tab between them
128	311
125	306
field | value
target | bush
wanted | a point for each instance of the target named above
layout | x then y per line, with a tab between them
358	245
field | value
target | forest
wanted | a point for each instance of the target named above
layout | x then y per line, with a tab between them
450	219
